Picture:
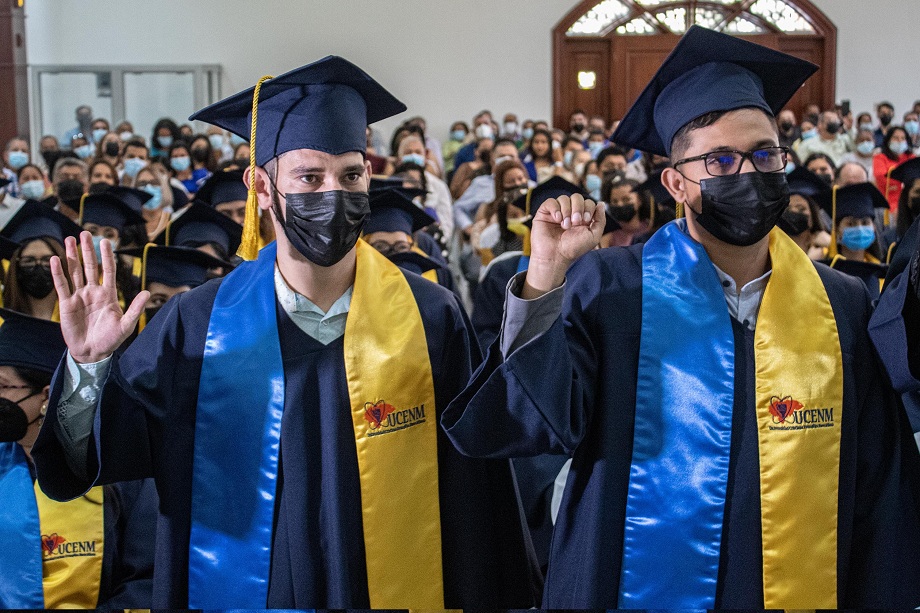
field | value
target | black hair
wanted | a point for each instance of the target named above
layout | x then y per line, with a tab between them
570	139
884	103
137	142
906	215
504	140
36	379
167	123
681	141
886	142
607	152
409	166
577	112
820	156
549	140
463	124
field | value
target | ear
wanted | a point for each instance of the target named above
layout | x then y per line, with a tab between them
675	183
367	173
44	395
263	186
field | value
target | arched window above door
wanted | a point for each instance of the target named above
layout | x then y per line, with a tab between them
649	17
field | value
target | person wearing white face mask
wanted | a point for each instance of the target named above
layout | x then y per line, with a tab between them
412	149
511	128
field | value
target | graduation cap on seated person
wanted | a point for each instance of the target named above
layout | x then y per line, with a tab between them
530	203
199	225
221	187
414	262
858	200
29	342
7	248
35	220
907	172
117	207
324	106
658	195
709	71
806	183
392	210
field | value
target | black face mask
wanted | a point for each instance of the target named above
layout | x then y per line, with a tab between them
35	281
623	213
742	209
885	119
914	205
71	189
149	312
812	119
14	423
786	126
324	226
827	178
111	149
578	127
832	127
200	154
792	222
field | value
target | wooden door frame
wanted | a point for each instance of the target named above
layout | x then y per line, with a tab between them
824	27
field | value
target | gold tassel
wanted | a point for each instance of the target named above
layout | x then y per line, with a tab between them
525	249
249	247
891	249
832	248
142	322
80	216
651	214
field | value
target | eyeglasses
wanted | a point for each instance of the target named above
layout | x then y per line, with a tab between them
31	262
390	248
726	162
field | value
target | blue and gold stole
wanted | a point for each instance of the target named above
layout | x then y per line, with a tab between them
51	553
238	433
682	441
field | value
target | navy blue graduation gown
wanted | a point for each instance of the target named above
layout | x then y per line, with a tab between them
145	426
489	299
573	390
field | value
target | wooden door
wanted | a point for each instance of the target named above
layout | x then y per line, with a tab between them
635	61
582	56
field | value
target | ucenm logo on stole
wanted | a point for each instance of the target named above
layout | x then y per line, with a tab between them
55	546
383	418
786	413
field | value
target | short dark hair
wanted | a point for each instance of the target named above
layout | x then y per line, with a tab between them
820	156
611	151
681	141
504	141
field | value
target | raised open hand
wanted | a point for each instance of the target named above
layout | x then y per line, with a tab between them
91	318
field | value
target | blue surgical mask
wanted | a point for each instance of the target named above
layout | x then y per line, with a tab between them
164	141
157	192
84	151
217	141
857	238
527	133
592	183
866	127
126	136
97	246
236	141
912	127
414	158
790	166
595	148
134	166
181	163
18	159
458	134
33	190
567	157
898	147
866	147
809	133
98	134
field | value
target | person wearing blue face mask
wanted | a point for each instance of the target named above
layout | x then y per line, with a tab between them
81	147
159	198
136	156
458	134
165	133
32	182
596	142
864	151
15	156
180	165
854	248
99	129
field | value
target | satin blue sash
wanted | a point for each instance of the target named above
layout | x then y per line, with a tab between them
685	394
523	263
237	437
20	547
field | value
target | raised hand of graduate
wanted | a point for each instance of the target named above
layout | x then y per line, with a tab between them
92	321
564	229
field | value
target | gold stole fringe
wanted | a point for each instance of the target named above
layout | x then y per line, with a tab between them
799	415
393	409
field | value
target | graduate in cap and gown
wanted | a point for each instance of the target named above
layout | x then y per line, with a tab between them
391	227
226	193
39	232
854	248
735	442
203	228
289	412
95	551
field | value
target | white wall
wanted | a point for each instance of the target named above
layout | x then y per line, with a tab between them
446	59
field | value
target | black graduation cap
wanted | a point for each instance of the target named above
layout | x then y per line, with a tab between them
325	106
414	262
7	248
551	188
806	183
29	342
4	182
199	225
392	210
221	187
869	272
378	182
174	266
117	207
709	71
907	172
36	220
857	200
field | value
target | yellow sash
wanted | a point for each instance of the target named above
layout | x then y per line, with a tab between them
393	408
799	416
72	547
